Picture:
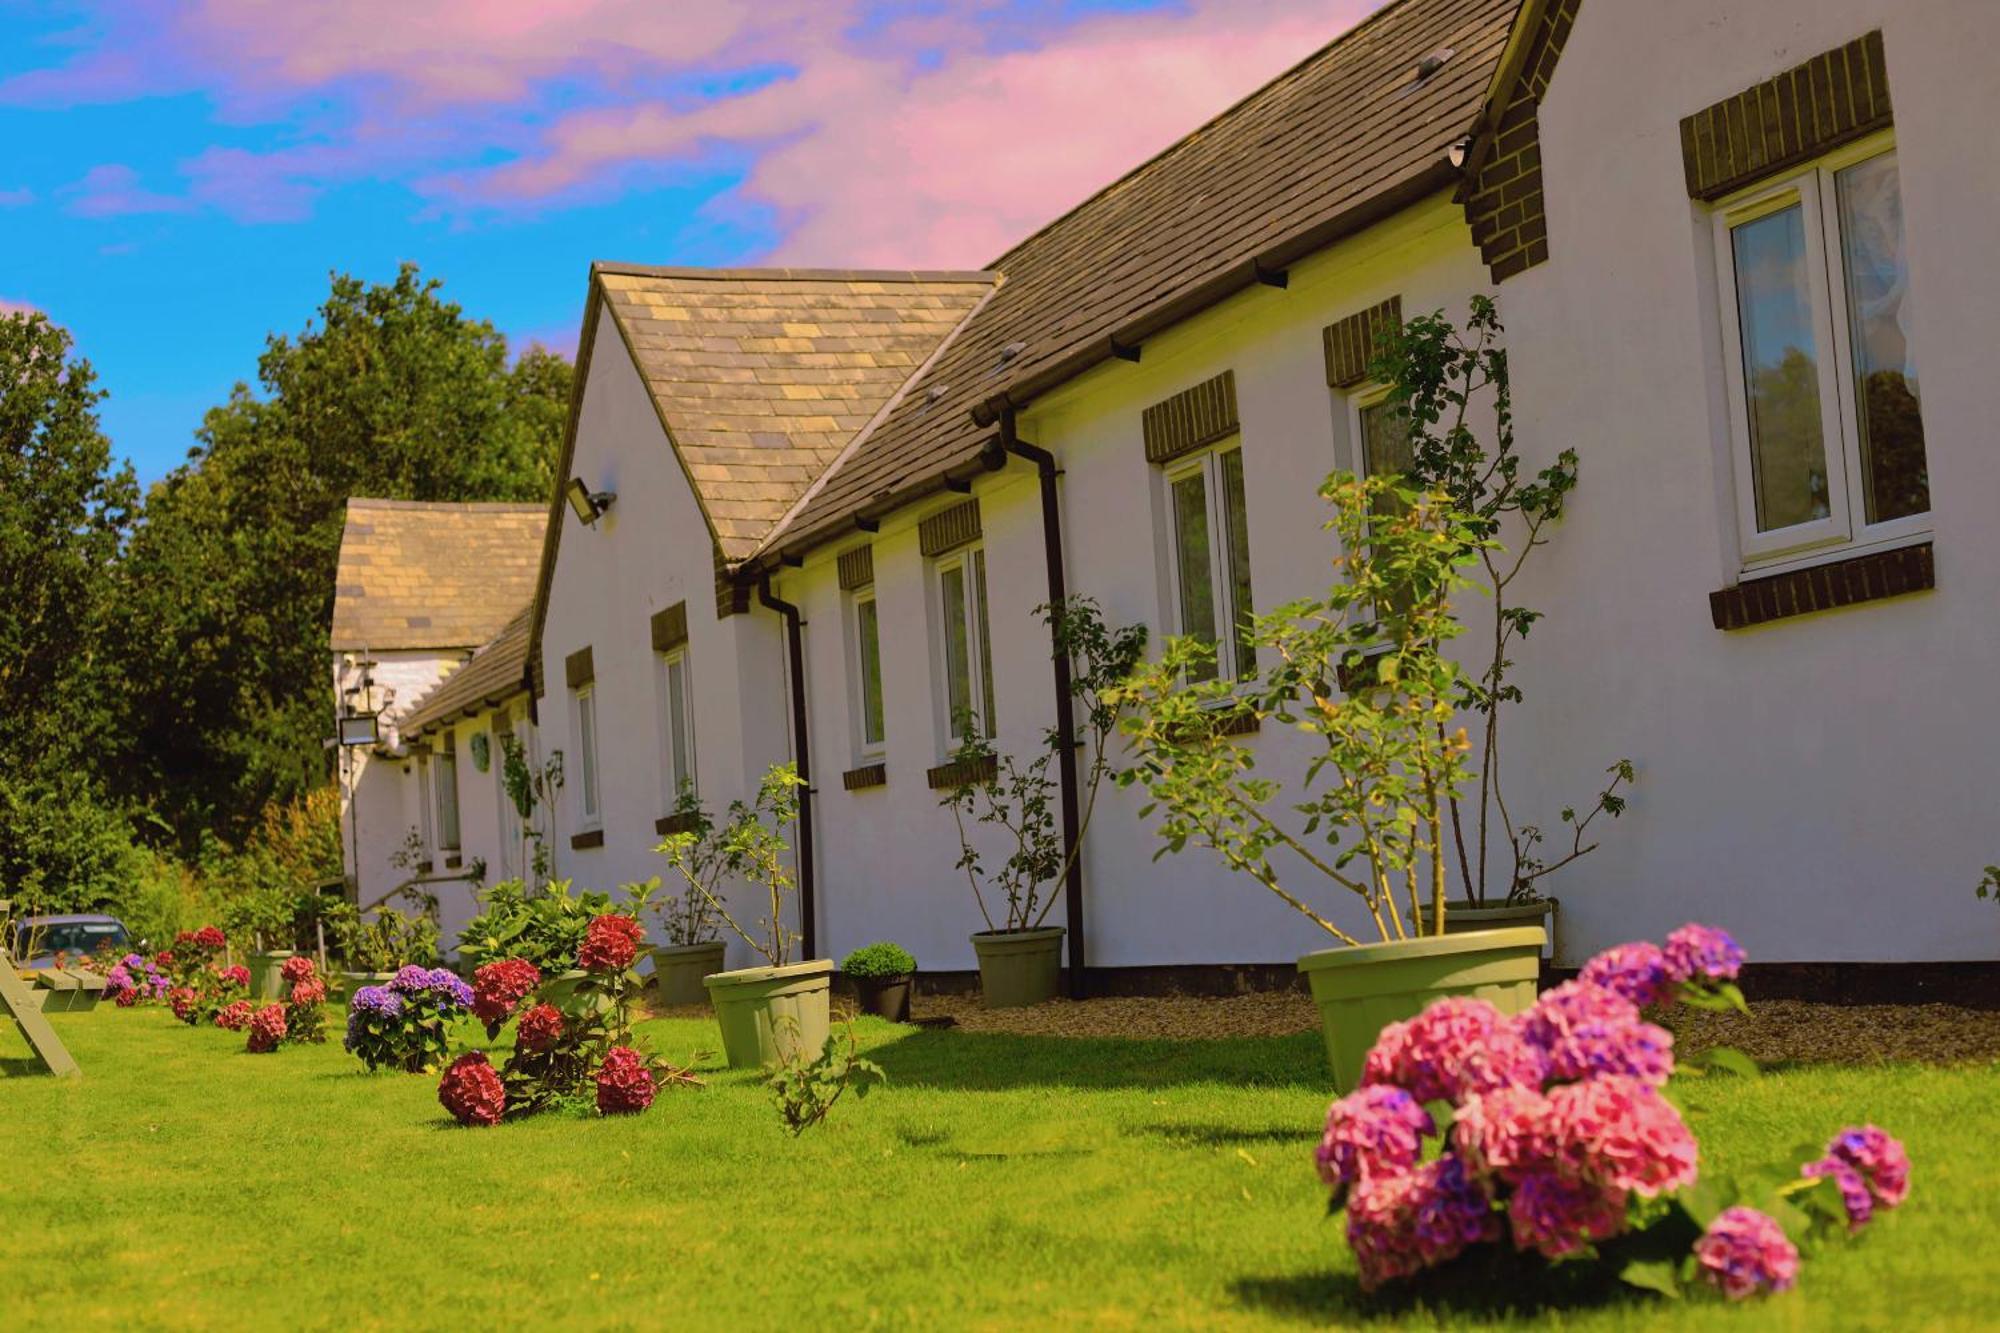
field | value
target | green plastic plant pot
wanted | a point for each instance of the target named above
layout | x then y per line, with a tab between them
354	981
1360	991
267	974
886	997
679	968
1018	968
769	1013
1461	917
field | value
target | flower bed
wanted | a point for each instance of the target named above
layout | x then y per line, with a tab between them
1554	1136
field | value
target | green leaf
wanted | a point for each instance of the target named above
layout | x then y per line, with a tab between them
1656	1275
1707	1197
1733	1061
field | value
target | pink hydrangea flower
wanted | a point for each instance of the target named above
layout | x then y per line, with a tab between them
1853	1186
1457	1046
1618	1131
1557	1215
1703	953
1507	1132
1744	1252
1637	971
1587	1031
1399	1225
1869	1166
1375	1130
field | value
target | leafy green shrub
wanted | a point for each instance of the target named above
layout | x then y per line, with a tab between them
391	940
805	1088
544	927
881	959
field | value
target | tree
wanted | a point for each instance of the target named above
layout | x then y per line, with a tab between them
64	511
226	593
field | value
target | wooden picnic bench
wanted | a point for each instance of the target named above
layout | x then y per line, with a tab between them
69	991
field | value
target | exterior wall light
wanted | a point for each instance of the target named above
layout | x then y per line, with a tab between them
588	504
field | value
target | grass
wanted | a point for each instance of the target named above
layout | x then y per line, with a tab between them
995	1182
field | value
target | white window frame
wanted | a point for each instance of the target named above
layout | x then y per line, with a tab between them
1208	463
866	749
1845	530
445	792
589	793
672	778
976	574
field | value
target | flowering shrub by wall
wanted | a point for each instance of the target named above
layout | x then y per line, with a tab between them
1554	1137
403	1025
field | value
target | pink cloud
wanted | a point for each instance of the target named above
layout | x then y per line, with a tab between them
12	307
112	189
20	198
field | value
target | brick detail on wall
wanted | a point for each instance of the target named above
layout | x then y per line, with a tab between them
1191	418
949	528
670	627
731	598
584	841
1864	578
679	822
579	668
1503	197
1808	110
857	568
962	772
866	776
1350	343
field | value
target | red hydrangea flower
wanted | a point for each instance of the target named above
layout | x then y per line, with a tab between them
210	937
126	997
610	943
498	988
236	976
472	1091
181	999
267	1028
624	1084
540	1028
164	959
297	969
234	1017
309	992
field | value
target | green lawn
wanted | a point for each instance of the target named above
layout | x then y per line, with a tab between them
996	1182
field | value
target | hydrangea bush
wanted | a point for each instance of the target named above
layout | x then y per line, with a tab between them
1553	1135
199	987
573	1044
291	1021
403	1025
136	979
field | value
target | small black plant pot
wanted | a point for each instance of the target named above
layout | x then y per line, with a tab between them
886	997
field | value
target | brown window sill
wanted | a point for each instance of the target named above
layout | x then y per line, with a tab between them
667	825
583	841
424	867
963	773
866	776
1799	592
454	861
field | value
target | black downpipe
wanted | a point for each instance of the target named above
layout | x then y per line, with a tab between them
1052	554
802	754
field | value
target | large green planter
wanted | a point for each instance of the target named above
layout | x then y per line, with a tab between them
768	1013
1362	990
354	981
1461	917
1018	968
679	968
267	974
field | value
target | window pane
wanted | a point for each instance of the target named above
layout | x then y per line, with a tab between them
677	723
586	716
985	643
1190	499
447	799
868	631
957	656
1885	375
1780	370
1237	513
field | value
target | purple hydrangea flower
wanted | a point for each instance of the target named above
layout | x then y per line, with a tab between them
118	978
1637	971
450	988
133	962
1703	953
1588	1030
376	1000
1854	1195
410	980
1879	1159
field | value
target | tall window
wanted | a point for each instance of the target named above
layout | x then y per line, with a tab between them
425	831
867	671
968	649
509	815
676	724
1211	556
447	793
591	809
1825	412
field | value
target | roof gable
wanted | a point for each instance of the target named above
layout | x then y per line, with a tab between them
418	574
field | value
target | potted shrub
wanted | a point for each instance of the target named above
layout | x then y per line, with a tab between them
883	975
1436	372
373	950
771	1012
1362	671
1020	954
264	910
694	947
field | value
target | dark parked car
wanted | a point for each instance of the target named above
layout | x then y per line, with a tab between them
38	939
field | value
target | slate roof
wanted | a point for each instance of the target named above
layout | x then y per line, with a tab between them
416	574
497	671
762	376
1338	142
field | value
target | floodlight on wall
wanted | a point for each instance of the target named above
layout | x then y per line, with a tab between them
588	504
359	729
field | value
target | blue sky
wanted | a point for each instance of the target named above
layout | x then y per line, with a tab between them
179	178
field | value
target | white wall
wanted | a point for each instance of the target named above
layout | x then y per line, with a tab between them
650	550
379	788
1814	784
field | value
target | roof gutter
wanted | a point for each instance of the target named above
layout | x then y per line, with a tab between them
994	456
802	759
